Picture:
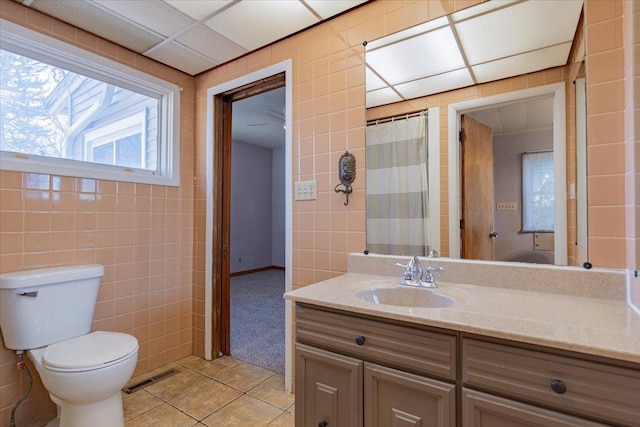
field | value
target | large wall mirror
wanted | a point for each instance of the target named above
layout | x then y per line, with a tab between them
510	190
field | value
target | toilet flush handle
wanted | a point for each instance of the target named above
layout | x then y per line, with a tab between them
31	294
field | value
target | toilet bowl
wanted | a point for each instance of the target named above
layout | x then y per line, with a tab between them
49	313
84	376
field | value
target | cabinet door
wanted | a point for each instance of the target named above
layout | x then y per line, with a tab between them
394	398
484	410
328	389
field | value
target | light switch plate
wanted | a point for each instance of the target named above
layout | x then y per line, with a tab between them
306	190
507	206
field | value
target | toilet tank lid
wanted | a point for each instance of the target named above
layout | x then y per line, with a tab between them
42	276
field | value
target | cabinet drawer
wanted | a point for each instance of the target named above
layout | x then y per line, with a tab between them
391	344
589	389
484	410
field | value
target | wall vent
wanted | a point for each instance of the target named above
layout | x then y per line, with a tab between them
147	382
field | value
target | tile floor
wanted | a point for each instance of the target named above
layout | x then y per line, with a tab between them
224	392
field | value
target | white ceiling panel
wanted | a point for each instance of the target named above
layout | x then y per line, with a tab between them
155	15
182	58
408	33
540	113
373	81
522	64
152	27
435	84
253	24
100	22
480	9
381	97
198	9
418	57
513	117
520	28
327	9
211	44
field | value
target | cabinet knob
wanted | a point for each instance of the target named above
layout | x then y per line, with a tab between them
323	424
360	340
558	386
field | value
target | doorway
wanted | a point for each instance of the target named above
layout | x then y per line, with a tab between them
218	203
556	93
257	234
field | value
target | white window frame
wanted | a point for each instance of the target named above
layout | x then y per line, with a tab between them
24	41
112	132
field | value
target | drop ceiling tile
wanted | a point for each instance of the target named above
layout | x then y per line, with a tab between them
381	97
422	56
513	117
327	9
198	9
540	113
155	15
408	33
522	64
519	28
253	24
480	9
182	58
488	117
99	22
373	81
435	84
211	44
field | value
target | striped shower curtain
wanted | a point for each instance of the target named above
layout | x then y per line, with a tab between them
397	187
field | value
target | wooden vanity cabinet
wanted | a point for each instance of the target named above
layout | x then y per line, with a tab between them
508	385
353	371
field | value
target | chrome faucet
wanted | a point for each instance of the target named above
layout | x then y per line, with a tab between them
415	275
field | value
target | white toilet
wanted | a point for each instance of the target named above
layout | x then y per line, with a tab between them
49	313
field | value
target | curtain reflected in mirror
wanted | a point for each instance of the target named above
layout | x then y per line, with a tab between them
397	182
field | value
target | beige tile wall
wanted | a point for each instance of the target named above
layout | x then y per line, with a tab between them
142	234
606	133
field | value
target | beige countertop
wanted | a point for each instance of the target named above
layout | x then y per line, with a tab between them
598	326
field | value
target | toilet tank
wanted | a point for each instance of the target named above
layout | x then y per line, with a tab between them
48	305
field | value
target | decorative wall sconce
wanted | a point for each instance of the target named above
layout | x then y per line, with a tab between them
346	173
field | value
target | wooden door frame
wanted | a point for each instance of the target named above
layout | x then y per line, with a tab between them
222	146
217	205
556	90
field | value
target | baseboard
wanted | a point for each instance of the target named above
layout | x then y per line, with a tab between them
256	270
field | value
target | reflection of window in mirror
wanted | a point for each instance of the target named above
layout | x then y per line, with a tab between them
538	191
581	163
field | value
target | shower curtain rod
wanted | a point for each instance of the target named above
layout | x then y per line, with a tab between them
399	117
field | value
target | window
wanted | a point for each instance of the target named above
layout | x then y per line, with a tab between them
538	205
66	111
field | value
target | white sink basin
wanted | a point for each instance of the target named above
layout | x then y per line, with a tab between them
405	297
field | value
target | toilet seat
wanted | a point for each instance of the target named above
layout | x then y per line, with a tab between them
89	352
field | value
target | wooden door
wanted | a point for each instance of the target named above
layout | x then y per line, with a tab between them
328	389
485	410
400	399
476	227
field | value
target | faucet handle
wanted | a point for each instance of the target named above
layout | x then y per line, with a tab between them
412	269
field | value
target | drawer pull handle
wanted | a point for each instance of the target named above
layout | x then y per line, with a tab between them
558	386
360	340
323	424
